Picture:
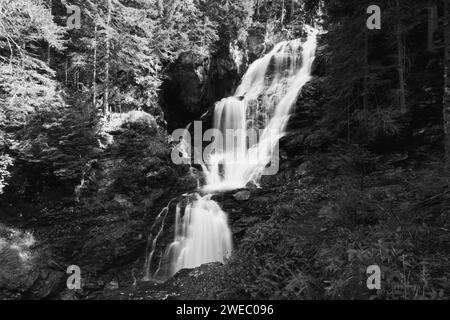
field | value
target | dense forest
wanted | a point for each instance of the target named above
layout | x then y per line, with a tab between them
91	90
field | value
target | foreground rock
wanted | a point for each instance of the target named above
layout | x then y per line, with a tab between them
100	226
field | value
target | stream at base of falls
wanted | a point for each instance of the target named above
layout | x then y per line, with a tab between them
262	102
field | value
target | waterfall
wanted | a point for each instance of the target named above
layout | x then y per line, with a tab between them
155	233
202	235
261	103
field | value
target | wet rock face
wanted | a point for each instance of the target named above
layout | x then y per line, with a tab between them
242	195
320	66
304	131
187	79
194	83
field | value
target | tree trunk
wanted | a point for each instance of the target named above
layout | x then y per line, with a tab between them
292	9
161	8
108	57
446	100
432	24
365	93
66	73
291	17
400	62
94	80
348	122
50	4
76	76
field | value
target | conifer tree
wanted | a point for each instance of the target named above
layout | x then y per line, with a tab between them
123	47
27	82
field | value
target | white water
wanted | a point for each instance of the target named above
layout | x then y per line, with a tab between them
202	235
152	240
263	101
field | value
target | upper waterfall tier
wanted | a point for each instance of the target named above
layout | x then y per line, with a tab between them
254	119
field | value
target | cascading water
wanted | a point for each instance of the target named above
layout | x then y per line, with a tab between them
262	102
202	235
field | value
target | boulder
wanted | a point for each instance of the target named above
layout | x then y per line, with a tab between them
242	195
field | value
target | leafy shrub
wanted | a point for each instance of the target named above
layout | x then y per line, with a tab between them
140	120
267	264
352	207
